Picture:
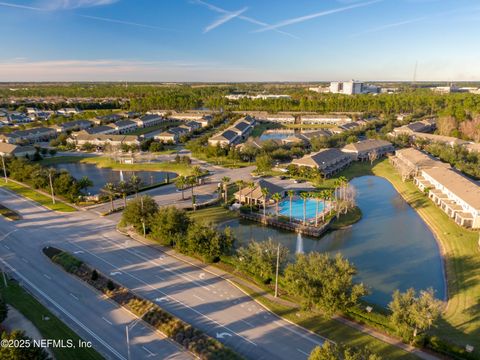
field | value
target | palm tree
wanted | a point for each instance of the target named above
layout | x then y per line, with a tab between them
331	197
192	181
85	183
265	194
197	172
123	188
240	184
110	189
276	197
304	195
291	194
225	181
323	196
135	183
180	182
318	196
251	185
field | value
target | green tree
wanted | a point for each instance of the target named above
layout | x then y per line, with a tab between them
19	352
240	185
260	259
276	197
180	183
140	212
225	182
264	163
265	196
251	185
123	189
290	194
324	281
135	183
305	196
412	314
111	191
84	183
330	351
169	224
3	309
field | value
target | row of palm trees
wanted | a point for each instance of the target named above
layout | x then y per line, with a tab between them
122	188
182	182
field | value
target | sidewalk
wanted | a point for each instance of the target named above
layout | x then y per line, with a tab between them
232	279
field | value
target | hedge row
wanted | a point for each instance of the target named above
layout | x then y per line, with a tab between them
184	334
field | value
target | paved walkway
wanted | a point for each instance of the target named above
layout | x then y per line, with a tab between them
234	279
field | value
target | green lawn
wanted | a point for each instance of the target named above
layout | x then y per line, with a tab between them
107	162
215	214
50	329
37	197
330	329
461	321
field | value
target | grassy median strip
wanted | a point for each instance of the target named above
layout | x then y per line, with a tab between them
52	328
194	340
9	213
37	197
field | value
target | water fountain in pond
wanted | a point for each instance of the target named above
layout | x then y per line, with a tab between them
121	176
299	247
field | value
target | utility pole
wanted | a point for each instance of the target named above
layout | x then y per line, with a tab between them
276	272
51	185
143	217
4	169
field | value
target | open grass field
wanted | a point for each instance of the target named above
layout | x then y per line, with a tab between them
215	214
107	162
37	197
50	329
461	320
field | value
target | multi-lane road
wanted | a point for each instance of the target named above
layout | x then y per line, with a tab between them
204	300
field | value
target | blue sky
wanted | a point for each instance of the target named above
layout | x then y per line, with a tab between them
239	40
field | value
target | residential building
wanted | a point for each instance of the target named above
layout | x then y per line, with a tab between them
422	126
68	111
365	149
125	126
104	139
234	134
106	119
255	196
327	161
29	136
167	137
351	87
409	162
276	118
102	129
325	119
148	120
76	125
15	150
455	194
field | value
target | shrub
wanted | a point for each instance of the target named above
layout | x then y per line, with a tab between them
94	276
110	285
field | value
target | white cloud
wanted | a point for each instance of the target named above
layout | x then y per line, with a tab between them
75	4
315	15
225	18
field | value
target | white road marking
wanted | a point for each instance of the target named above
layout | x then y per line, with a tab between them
107	321
148	351
198	297
24	260
6	247
161	292
303	352
73	318
248	323
8	234
158	276
48	277
201	275
160	299
74	296
113	273
78	252
223	334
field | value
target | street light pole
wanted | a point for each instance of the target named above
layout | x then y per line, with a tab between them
276	272
4	169
128	342
51	185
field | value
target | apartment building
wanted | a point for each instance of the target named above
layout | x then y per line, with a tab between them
29	136
363	150
325	119
234	134
327	161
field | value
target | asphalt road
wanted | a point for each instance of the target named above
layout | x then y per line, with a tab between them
92	316
206	301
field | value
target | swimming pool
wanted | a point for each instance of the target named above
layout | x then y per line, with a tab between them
297	208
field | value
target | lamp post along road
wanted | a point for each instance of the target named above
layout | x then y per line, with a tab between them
4	169
51	186
276	272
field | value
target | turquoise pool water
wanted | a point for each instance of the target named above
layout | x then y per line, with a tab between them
297	208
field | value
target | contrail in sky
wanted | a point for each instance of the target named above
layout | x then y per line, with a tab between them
227	17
